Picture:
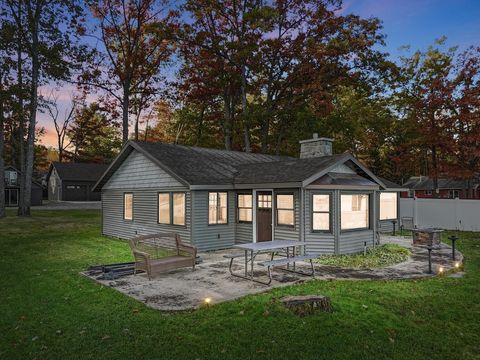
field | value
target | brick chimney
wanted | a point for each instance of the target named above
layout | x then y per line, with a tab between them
316	147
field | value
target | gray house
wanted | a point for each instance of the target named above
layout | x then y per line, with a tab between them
73	181
216	198
12	188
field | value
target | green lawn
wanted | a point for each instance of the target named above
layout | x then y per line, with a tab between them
47	310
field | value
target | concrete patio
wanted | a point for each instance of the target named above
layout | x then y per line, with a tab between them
185	289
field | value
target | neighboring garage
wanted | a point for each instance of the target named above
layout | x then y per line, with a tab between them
74	181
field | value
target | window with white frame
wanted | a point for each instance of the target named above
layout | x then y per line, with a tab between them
388	205
285	210
453	194
321	212
244	204
354	211
128	206
217	208
171	208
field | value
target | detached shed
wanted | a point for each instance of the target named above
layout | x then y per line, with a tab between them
73	181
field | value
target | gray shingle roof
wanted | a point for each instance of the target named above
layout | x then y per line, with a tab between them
202	166
291	170
79	171
391	184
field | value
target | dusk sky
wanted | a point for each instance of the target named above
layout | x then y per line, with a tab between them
406	22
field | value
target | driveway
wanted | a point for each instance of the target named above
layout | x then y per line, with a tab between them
69	205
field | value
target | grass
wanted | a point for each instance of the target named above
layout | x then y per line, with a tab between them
49	311
380	256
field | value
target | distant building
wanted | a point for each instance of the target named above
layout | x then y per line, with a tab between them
12	188
422	187
73	181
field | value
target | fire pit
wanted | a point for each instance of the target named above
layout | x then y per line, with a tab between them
427	237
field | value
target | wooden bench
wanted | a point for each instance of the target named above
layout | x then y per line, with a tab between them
161	252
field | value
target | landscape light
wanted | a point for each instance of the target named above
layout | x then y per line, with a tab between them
440	270
457	265
207	300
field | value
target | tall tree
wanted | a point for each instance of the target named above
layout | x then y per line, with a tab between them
137	38
47	37
61	123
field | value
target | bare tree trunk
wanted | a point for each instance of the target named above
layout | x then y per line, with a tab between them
24	210
2	162
137	119
228	120
246	129
21	118
125	106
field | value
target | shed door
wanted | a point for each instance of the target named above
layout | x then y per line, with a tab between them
264	216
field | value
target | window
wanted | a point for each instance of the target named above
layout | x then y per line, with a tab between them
427	192
128	206
354	211
453	194
285	210
264	201
178	208
244	203
388	205
164	208
171	208
321	212
217	207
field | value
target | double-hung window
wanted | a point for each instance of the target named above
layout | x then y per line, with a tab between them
171	208
217	208
285	210
128	206
321	208
244	204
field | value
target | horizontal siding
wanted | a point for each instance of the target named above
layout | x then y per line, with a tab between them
212	237
287	233
145	214
139	172
353	242
318	242
244	233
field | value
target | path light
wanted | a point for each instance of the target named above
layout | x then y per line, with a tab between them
207	301
453	238
457	265
441	270
429	248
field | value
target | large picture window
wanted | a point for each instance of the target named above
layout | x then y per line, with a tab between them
321	212
388	205
171	208
354	211
244	203
217	208
128	206
285	210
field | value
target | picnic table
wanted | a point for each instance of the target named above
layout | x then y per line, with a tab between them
251	250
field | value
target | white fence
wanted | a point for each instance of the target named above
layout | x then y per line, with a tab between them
448	214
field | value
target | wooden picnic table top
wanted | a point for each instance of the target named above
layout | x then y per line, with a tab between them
269	245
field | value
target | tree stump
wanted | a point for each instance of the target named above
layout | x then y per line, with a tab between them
307	305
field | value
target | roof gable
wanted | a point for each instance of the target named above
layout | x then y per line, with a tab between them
77	171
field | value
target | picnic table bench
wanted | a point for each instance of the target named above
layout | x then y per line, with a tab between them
270	247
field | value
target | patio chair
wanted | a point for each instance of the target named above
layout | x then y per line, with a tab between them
162	252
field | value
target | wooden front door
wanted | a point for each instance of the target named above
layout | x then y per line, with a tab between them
264	216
